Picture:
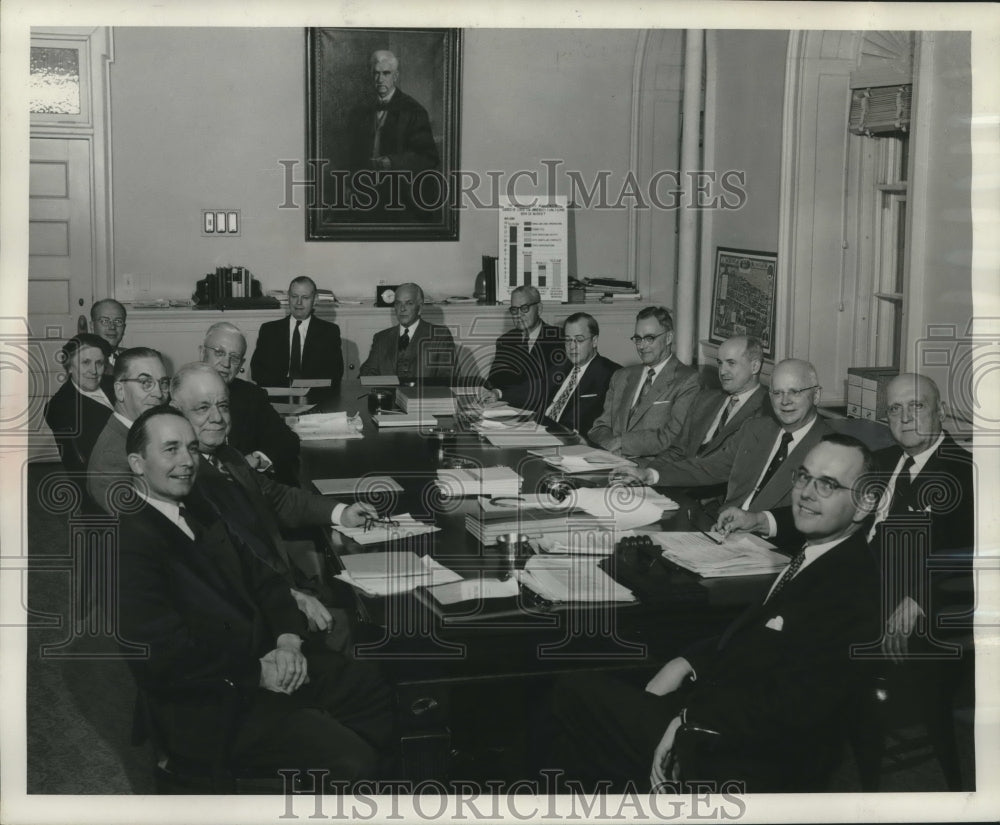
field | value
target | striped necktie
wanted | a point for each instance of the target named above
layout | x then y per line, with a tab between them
559	403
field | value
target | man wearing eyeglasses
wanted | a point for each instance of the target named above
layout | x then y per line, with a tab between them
528	357
756	465
140	383
107	319
413	348
646	404
299	346
582	383
257	430
771	693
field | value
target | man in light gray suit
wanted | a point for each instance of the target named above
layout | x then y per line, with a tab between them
647	403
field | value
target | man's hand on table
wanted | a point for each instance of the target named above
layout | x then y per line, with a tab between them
355	515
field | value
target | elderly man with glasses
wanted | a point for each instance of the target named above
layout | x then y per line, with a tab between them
257	430
530	358
140	383
647	403
107	319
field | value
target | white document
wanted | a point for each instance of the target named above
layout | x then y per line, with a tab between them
320	426
379	380
513	439
581	543
356	486
381	574
406	526
737	555
583	459
310	382
407	419
474	590
479	481
628	507
569	579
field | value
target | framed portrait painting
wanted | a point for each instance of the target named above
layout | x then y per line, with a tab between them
743	297
383	133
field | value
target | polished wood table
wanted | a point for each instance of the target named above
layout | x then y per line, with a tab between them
498	648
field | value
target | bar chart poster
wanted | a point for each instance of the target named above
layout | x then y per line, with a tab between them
533	247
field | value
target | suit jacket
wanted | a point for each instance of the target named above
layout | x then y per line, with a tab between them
108	466
321	353
778	679
700	418
257	426
658	418
204	610
76	422
430	354
587	400
528	379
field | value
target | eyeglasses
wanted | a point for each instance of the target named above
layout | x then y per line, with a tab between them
117	323
371	523
523	309
825	487
579	339
147	382
230	358
792	393
913	408
646	339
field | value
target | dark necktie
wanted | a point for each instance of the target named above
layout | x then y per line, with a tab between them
776	462
295	361
789	573
190	521
902	496
726	412
404	340
647	385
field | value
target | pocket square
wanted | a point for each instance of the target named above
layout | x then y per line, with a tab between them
667	401
776	623
589	395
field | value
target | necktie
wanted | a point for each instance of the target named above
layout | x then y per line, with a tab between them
726	412
647	385
404	340
903	494
789	573
190	521
295	361
559	403
776	462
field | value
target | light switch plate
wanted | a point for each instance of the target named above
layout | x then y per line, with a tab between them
221	223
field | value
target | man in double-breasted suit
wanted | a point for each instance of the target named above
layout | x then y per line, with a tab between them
210	613
773	690
414	348
646	404
581	385
299	346
529	358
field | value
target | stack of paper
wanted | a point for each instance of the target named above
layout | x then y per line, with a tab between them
567	579
737	555
368	485
515	433
379	380
319	426
537	522
426	400
580	458
627	507
474	590
479	481
410	419
405	527
380	574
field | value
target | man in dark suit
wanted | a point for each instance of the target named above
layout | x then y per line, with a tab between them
577	395
140	383
257	430
646	404
255	508
756	461
208	612
528	357
774	687
107	319
299	346
391	142
413	349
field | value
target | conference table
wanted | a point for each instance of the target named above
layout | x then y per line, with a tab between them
471	677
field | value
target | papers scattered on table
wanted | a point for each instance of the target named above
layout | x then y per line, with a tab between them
380	574
319	426
472	389
516	438
410	419
580	458
581	542
499	411
474	590
627	507
356	486
479	481
407	526
379	380
738	555
568	579
282	408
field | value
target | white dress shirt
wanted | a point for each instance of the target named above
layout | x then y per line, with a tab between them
171	510
797	437
97	395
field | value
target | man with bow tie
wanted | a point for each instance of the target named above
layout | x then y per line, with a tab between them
772	691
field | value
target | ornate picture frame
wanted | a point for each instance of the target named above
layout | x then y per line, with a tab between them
743	297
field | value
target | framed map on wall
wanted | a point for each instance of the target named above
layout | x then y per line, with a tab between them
743	298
